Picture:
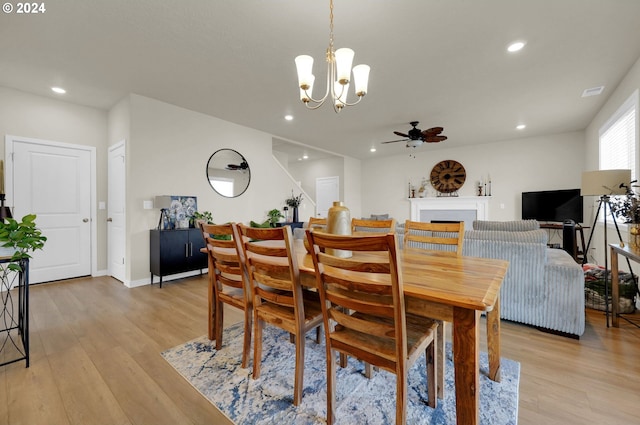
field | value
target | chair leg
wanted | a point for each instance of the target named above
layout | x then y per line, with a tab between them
401	398
257	346
219	324
368	370
343	360
299	372
246	345
432	373
331	385
318	334
440	357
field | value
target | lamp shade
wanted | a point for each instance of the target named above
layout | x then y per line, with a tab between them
604	182
361	78
162	202
304	66
344	59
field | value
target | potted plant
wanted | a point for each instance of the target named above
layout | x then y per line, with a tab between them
20	237
294	202
202	216
274	216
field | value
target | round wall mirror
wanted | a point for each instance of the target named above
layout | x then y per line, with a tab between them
228	173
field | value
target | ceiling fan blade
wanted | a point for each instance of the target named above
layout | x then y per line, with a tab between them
432	131
435	139
394	141
397	133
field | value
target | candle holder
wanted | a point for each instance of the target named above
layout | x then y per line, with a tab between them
479	190
5	212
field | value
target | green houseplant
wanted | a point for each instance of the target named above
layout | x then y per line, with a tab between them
21	237
204	216
274	216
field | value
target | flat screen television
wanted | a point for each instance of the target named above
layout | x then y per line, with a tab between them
553	205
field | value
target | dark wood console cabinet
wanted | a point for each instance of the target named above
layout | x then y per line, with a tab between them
175	251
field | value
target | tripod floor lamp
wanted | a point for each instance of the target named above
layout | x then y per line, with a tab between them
604	183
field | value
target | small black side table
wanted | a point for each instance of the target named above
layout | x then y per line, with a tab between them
14	313
293	224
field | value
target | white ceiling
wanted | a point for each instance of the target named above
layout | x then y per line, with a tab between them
439	62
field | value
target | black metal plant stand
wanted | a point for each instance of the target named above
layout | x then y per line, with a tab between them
14	316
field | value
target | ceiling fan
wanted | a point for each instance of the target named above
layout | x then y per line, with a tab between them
235	167
417	137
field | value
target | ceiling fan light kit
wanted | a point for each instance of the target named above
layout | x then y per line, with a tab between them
338	75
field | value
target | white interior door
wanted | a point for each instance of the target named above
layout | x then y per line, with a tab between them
327	191
53	181
116	211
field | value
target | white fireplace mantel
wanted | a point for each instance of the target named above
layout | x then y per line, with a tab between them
475	207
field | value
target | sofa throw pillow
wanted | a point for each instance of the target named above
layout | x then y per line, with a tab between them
509	226
265	224
379	217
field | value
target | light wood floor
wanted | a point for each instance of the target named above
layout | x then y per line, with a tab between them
95	359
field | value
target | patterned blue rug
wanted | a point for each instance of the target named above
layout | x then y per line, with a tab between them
268	400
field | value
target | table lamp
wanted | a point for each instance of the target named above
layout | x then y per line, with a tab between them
604	183
164	203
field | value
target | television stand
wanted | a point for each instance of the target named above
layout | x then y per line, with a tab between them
578	255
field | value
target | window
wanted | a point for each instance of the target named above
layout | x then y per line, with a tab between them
618	138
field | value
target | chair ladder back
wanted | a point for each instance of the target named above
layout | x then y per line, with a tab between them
447	237
373	226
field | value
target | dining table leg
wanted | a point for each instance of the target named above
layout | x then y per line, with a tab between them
466	362
441	356
493	341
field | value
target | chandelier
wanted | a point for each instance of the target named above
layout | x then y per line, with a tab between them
338	75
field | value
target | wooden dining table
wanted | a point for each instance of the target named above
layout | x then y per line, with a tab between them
455	290
452	289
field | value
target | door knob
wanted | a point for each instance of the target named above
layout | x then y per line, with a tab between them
109	219
85	220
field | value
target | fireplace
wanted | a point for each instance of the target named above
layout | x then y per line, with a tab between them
451	208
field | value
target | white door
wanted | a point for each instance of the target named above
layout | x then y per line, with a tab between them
327	191
53	181
115	211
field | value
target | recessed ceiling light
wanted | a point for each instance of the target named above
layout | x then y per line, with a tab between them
58	90
515	46
372	150
288	117
305	156
521	127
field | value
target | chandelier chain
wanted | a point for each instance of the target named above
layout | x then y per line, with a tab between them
330	52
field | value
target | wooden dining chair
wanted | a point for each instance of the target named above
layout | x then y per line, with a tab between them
317	223
446	239
227	283
364	314
373	226
278	297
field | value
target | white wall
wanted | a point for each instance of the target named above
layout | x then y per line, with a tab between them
168	152
38	117
617	96
308	171
514	166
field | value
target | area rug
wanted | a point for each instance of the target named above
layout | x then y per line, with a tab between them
219	377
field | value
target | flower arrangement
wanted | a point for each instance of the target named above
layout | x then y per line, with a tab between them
294	201
626	208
